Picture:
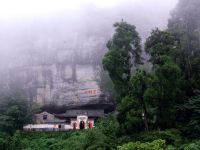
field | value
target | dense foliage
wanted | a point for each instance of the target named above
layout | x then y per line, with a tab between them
155	145
123	48
15	111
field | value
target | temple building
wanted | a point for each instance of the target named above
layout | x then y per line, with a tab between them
70	120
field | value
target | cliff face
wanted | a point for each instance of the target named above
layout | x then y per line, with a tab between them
61	84
69	85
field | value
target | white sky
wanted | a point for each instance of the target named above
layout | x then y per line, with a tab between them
23	8
29	8
23	21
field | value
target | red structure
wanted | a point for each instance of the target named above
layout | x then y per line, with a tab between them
90	125
74	125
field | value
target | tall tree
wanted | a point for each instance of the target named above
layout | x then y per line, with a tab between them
169	79
192	117
15	111
139	86
130	115
185	26
165	90
161	43
124	51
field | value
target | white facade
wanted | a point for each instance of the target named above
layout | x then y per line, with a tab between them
81	120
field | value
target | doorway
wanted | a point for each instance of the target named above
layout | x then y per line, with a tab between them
82	125
74	125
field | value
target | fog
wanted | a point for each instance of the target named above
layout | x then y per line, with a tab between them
52	49
40	30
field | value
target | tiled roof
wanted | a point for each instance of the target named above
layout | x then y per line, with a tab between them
89	113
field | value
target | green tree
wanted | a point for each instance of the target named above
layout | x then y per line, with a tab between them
165	89
14	112
108	125
169	76
192	117
192	146
155	145
130	115
164	92
123	47
161	43
139	86
185	27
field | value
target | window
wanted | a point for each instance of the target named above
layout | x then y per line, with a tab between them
44	117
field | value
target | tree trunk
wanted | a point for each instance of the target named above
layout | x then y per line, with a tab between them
145	119
144	109
145	115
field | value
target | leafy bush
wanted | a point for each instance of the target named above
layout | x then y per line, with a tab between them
95	140
192	111
108	126
171	136
130	116
91	139
4	141
155	145
191	146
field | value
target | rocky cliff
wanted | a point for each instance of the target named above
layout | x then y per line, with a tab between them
61	84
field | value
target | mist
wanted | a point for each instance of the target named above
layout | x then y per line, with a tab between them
39	32
53	50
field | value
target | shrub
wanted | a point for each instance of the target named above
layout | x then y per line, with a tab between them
108	126
171	136
155	145
191	146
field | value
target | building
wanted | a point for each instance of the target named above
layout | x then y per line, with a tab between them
47	118
81	119
70	120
